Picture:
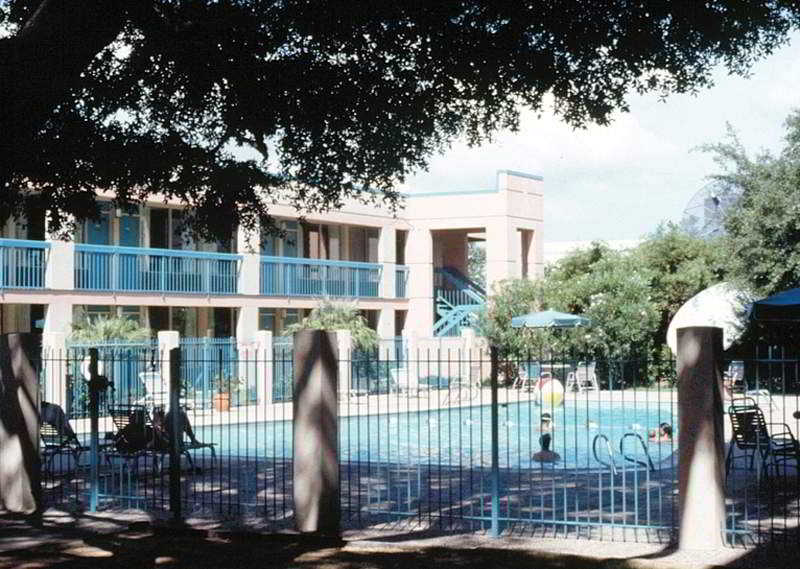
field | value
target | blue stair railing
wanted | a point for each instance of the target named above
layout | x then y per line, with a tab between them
457	301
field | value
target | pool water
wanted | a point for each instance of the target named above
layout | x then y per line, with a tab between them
461	437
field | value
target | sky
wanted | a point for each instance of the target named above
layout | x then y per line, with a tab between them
620	181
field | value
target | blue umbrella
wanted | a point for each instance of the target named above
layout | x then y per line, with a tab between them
784	305
549	319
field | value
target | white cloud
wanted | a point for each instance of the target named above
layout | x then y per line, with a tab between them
620	181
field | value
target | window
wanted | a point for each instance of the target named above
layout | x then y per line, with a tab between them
266	319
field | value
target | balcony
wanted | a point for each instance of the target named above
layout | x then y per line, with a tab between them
22	263
131	269
288	276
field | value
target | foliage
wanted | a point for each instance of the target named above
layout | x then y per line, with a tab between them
333	316
762	241
680	266
476	262
222	105
103	329
630	297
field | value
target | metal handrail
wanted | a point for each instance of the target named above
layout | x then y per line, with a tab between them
647	464
610	465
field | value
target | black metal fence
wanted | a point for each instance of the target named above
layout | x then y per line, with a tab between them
581	448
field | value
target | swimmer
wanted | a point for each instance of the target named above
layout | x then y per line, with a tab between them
546	426
592	424
662	435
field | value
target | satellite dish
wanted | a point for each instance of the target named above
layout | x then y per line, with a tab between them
704	215
721	306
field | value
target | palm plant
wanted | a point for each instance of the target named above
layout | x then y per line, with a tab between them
103	329
331	315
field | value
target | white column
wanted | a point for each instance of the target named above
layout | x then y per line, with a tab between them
58	317
387	256
264	373
59	272
419	257
344	344
502	251
167	340
386	324
54	358
246	324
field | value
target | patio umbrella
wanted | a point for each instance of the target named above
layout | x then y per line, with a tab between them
549	319
784	305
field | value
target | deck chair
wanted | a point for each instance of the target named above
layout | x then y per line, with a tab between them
752	434
133	436
582	379
529	374
55	442
162	446
407	380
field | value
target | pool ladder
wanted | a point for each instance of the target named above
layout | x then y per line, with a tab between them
611	464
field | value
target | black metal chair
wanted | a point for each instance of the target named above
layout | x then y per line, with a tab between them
753	435
55	443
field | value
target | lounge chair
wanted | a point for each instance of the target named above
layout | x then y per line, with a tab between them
529	374
407	380
55	442
753	435
134	435
582	379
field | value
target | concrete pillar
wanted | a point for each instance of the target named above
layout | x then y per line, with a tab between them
246	324
344	347
250	274
264	367
315	432
59	273
54	361
387	256
419	258
167	340
20	468
58	317
386	323
701	463
502	251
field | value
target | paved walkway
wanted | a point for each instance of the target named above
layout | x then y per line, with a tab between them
132	540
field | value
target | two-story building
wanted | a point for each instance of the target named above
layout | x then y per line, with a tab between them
407	272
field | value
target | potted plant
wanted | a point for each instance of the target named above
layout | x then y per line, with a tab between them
221	400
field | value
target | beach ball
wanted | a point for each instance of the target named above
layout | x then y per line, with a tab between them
550	393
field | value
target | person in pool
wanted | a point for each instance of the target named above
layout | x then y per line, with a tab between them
662	435
546	426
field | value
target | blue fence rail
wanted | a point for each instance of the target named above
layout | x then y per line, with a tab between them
210	367
286	276
106	268
22	263
401	281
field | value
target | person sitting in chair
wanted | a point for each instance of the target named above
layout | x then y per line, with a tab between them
163	425
546	427
54	415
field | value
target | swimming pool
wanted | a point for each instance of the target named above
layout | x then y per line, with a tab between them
461	436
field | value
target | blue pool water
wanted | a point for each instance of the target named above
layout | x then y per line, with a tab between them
462	436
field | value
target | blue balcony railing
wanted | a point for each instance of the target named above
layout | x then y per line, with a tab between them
287	276
133	269
400	281
22	263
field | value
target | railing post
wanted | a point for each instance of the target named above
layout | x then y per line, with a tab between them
701	480
94	426
175	434
495	433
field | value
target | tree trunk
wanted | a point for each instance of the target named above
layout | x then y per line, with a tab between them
40	64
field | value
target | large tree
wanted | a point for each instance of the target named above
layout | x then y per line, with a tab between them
330	99
762	230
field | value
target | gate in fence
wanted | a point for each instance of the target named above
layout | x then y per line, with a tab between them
581	448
